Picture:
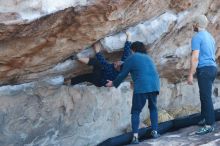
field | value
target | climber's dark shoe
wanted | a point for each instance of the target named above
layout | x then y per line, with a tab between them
135	140
155	134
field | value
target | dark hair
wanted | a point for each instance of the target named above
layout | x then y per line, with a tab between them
138	47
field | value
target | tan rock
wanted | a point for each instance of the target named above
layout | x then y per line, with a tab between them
32	50
163	116
180	5
40	45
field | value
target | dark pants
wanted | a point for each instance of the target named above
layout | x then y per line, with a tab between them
94	77
138	102
206	75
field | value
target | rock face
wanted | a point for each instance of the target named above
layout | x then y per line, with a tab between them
37	38
31	48
40	114
43	114
19	11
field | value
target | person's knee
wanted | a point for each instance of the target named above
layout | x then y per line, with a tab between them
135	112
152	107
136	108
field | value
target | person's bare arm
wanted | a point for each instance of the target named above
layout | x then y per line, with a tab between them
217	55
97	47
193	66
128	34
84	60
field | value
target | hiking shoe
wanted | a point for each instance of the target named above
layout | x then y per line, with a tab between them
202	122
135	140
204	130
155	134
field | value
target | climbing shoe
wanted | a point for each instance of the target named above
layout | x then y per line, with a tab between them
155	134
135	140
204	130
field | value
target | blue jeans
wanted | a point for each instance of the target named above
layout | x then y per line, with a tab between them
138	102
206	76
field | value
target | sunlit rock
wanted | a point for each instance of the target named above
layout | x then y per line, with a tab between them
147	32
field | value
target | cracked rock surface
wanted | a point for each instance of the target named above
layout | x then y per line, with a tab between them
30	48
37	40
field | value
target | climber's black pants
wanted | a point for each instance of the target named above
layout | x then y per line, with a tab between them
94	77
206	75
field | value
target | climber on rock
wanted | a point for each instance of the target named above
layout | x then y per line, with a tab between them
102	69
146	87
204	65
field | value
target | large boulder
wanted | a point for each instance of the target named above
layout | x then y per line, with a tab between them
38	38
28	49
31	47
47	113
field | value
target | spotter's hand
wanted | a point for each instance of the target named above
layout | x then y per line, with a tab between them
109	83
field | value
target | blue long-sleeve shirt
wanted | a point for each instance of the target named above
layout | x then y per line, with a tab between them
108	70
143	72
